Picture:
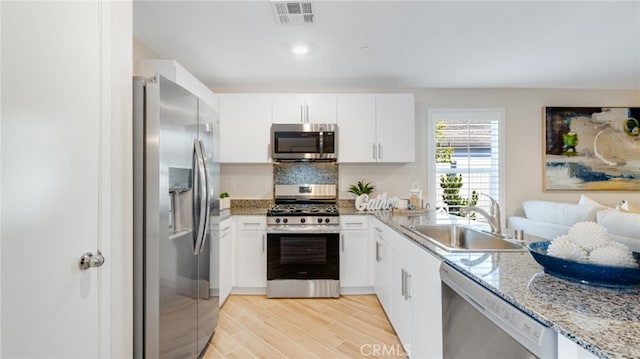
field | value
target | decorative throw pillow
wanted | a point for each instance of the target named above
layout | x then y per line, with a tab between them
566	214
586	201
620	223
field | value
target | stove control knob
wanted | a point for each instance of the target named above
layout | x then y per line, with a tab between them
319	220
284	220
277	220
302	220
327	220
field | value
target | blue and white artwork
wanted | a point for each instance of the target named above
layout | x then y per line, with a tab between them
592	148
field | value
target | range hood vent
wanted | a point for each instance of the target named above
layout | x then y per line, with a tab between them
293	12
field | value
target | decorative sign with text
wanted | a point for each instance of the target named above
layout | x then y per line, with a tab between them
364	203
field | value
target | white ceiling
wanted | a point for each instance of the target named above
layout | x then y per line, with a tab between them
412	44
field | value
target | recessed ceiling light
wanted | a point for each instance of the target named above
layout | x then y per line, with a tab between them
300	49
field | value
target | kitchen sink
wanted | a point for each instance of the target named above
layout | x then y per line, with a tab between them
453	237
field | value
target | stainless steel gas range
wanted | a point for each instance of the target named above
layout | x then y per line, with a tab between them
303	236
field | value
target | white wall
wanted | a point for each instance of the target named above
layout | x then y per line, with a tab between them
141	51
524	161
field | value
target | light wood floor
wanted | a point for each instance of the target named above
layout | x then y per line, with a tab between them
252	326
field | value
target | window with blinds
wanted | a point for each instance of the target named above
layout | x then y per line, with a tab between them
466	160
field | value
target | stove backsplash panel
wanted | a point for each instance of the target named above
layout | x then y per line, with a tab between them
305	173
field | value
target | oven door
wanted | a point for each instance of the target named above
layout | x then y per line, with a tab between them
298	255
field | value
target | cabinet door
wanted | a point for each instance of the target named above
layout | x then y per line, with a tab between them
288	108
395	127
354	264
399	305
426	318
356	128
320	108
245	128
381	271
251	258
568	349
225	257
251	255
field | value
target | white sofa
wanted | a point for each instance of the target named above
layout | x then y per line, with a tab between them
549	220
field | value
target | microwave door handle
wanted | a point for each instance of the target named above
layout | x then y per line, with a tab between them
201	191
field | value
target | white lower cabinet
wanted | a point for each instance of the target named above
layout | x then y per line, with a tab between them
568	349
380	263
225	258
354	263
399	304
251	254
413	289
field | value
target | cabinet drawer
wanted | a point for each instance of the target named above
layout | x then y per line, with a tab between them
357	222
256	223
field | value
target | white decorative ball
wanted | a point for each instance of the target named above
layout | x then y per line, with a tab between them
613	255
564	247
589	235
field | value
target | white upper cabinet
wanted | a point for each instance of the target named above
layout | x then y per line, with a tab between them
356	128
304	108
245	128
395	127
376	128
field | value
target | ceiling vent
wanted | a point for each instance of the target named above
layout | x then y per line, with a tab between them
293	12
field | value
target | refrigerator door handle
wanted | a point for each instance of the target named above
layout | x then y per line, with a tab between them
207	199
201	189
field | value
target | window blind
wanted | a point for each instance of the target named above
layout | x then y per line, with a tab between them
467	158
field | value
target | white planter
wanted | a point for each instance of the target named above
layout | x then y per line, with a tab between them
225	203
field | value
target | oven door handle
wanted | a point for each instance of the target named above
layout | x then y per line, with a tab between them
283	229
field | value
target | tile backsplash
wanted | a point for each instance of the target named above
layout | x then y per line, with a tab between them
305	173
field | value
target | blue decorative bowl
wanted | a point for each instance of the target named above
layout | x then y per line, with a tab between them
586	273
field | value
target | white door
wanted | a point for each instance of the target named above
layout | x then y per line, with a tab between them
64	190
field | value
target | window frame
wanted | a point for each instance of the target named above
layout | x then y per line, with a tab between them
437	114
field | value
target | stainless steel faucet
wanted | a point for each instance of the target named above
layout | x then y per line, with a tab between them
493	217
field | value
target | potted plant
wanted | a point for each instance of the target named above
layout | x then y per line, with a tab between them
225	201
361	188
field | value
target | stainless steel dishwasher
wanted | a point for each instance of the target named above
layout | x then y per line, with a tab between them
478	324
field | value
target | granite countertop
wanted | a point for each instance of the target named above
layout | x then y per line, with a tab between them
604	321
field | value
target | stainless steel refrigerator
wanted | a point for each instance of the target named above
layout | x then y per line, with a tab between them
176	177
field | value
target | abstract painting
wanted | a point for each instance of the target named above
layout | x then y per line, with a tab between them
592	148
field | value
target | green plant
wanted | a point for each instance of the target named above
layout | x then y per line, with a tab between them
361	188
224	195
451	184
443	153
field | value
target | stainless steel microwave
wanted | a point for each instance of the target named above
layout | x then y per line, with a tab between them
304	141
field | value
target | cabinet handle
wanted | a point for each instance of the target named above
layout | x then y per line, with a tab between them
301	116
374	151
378	259
264	241
342	241
402	282
307	107
407	285
378	229
379	151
